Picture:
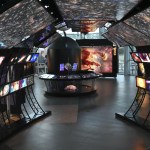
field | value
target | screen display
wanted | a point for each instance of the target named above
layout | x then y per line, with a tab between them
148	85
135	57
1	59
62	67
4	90
14	59
142	68
34	57
140	82
97	59
22	20
144	57
22	59
49	41
14	86
75	66
28	58
22	83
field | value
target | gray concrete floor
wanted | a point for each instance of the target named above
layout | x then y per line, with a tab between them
84	122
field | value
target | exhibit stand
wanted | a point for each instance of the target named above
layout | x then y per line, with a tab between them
139	111
18	104
75	83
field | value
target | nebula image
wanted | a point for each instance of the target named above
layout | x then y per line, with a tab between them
97	59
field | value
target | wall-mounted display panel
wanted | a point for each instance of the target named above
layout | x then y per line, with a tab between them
1	59
97	58
141	82
136	57
49	41
139	57
4	90
16	85
100	56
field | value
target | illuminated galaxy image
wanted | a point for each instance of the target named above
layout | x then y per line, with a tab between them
97	59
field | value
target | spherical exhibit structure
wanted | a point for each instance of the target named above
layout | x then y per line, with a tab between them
64	52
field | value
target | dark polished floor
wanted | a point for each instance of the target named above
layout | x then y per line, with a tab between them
84	122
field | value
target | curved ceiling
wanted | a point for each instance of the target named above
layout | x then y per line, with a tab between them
96	9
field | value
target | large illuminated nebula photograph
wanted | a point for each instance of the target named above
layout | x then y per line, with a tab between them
97	59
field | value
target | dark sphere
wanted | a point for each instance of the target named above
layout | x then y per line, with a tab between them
63	50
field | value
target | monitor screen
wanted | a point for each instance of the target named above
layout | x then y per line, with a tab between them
148	85
1	59
22	83
28	58
135	57
144	57
13	59
97	59
49	41
4	90
142	68
75	66
34	57
14	86
140	82
62	67
22	59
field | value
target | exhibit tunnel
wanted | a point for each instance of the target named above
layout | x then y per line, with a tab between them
74	74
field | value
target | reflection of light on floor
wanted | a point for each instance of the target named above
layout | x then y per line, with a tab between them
63	114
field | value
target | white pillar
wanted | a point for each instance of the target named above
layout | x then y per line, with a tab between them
126	61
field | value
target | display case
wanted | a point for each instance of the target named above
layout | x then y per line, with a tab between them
74	83
18	104
139	110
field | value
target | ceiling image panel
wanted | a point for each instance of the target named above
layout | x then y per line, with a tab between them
21	20
96	9
84	26
130	35
37	38
115	39
141	22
